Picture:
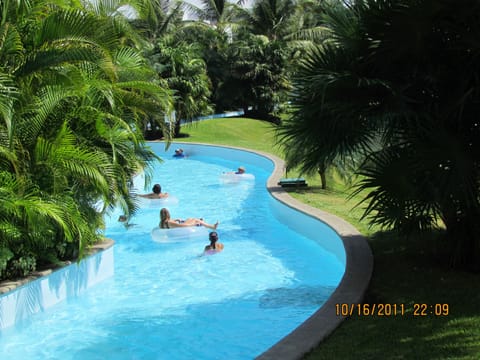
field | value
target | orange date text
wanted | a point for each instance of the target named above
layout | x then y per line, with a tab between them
344	309
416	309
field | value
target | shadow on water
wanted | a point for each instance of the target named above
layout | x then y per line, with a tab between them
302	296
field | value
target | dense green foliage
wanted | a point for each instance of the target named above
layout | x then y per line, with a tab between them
185	73
255	77
397	83
405	273
246	53
75	93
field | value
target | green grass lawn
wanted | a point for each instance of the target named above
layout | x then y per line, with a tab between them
405	273
258	135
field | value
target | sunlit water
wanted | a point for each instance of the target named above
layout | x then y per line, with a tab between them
166	301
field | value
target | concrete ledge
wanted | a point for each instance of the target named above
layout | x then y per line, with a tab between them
42	289
352	287
358	271
9	285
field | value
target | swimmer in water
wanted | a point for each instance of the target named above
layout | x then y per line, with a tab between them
214	246
179	153
156	193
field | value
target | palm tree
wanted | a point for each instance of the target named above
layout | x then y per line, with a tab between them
273	34
185	73
158	18
219	14
383	75
256	76
273	18
72	112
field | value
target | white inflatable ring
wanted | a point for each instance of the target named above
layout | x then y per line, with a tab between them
232	177
163	202
179	234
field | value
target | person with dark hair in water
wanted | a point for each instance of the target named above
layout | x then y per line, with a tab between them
214	246
240	170
179	153
156	193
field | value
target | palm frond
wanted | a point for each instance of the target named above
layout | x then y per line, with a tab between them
11	47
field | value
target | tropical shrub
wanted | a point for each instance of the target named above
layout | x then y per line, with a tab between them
75	93
256	77
405	73
181	67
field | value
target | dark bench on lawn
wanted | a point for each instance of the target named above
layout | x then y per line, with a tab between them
292	182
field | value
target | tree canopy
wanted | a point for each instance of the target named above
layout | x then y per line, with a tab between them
74	94
388	88
397	82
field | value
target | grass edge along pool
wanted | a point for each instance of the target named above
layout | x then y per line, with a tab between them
282	209
299	221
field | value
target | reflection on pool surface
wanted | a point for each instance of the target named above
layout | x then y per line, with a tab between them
166	301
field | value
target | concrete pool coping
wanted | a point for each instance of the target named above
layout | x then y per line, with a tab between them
352	287
7	286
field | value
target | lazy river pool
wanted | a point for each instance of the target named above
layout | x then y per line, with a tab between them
167	301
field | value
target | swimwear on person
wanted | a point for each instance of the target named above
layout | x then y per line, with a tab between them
241	170
166	222
214	246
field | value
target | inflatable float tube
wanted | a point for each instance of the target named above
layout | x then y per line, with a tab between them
233	178
156	203
179	234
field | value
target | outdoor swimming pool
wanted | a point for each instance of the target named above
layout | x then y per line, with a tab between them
165	301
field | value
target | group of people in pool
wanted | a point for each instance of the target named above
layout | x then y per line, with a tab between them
157	188
166	222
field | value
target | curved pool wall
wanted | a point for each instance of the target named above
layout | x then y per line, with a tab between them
28	296
299	221
44	289
351	247
307	226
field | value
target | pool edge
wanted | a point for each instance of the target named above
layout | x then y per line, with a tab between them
352	287
42	289
8	286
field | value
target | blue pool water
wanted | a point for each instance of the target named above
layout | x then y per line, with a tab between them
166	301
